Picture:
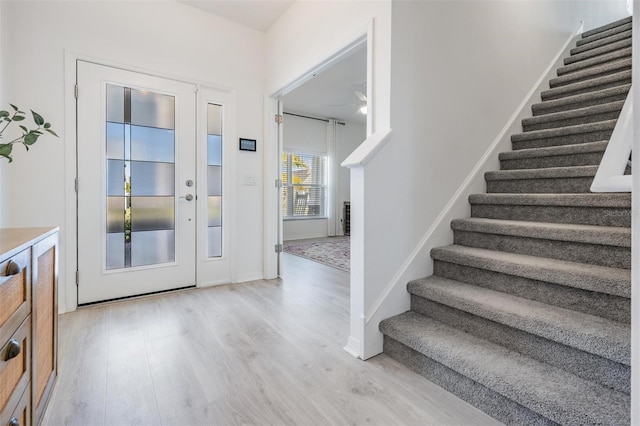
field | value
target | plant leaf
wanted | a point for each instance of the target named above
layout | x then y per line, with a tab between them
15	108
25	129
31	138
18	118
52	132
4	113
5	151
37	118
47	125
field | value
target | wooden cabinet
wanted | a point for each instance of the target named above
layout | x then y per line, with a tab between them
28	323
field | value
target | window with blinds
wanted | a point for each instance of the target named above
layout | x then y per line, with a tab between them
304	185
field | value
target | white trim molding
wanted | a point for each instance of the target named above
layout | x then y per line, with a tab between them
367	149
610	176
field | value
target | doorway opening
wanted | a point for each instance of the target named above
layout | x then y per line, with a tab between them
323	120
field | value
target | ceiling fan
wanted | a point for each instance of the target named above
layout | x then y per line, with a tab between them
358	91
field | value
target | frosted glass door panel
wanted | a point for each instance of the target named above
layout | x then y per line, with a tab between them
150	144
214	180
214	236
152	247
152	109
141	181
214	150
115	177
116	209
152	213
115	141
215	211
151	178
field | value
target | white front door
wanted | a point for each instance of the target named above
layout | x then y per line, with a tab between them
137	174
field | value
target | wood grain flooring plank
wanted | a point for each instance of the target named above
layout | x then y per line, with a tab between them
257	353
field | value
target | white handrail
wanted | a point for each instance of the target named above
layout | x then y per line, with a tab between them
610	176
367	149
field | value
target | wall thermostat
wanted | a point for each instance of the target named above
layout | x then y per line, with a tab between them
247	144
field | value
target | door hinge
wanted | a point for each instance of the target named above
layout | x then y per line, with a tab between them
278	248
76	184
278	183
278	118
75	90
77	277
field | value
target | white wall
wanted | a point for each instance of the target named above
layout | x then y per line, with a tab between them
459	71
162	37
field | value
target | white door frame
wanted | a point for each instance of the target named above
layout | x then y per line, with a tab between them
68	297
272	152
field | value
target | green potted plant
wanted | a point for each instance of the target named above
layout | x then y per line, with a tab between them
28	137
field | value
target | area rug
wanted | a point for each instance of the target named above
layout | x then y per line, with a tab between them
334	251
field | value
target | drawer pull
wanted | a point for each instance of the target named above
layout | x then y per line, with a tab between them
14	422
13	349
13	268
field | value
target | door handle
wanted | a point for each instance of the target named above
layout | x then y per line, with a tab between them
188	197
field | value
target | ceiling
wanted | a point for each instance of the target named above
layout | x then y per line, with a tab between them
257	14
320	95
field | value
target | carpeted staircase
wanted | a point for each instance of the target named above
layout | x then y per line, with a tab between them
527	315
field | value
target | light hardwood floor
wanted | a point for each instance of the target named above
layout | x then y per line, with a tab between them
265	352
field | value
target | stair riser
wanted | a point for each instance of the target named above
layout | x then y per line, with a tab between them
541	186
580	363
544	108
604	34
602	135
602	50
587	159
594	62
605	305
554	214
586	119
565	91
612	68
595	254
496	405
602	42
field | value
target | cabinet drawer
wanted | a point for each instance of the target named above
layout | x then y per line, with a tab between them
22	414
15	293
15	371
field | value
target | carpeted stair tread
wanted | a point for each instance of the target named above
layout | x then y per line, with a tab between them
546	173
578	129
607	81
595	61
602	50
581	100
601	199
589	333
552	151
601	279
587	208
557	395
602	42
604	34
574	113
577	233
611	25
591	73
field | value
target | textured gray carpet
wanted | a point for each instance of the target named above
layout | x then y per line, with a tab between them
527	315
